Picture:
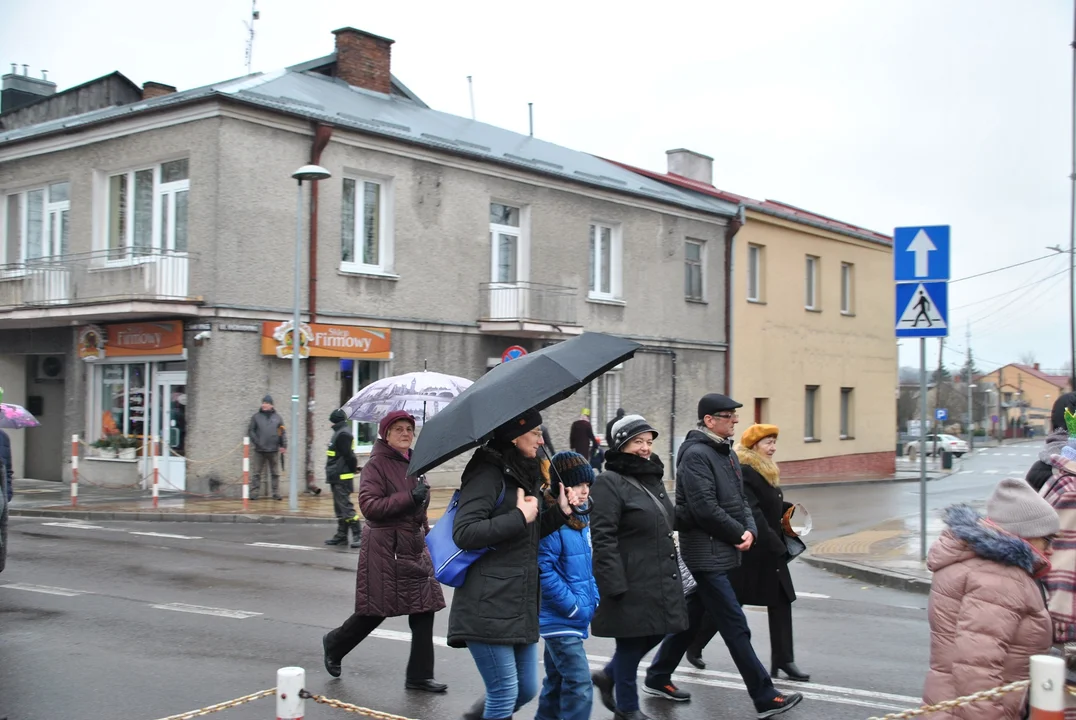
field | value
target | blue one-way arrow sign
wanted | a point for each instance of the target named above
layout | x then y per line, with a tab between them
921	253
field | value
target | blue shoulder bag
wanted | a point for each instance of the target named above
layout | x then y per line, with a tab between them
449	562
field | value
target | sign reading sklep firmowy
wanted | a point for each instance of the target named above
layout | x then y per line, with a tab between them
317	340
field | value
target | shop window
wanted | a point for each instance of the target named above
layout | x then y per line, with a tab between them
354	376
122	402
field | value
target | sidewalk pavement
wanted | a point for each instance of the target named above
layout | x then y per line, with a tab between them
41	498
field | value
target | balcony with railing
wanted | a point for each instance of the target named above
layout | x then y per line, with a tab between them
526	309
96	278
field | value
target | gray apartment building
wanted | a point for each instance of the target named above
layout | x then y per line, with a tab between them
147	240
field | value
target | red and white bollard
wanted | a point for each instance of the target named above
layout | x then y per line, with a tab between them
246	473
1047	690
74	470
156	471
289	681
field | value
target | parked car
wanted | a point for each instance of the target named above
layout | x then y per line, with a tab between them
950	443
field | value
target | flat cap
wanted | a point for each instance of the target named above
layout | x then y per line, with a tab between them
716	402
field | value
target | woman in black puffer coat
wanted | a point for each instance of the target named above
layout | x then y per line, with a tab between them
635	562
495	612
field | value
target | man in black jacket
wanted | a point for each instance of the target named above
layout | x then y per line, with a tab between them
340	471
716	526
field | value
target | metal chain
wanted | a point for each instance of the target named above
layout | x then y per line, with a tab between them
991	694
341	705
222	706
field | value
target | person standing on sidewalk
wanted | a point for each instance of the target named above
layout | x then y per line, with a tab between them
719	528
269	439
635	564
581	436
1041	470
340	469
7	466
569	598
987	610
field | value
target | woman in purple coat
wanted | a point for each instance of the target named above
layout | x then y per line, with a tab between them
395	575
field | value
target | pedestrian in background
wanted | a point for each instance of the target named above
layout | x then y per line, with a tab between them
340	468
763	577
495	612
581	436
269	439
635	565
7	465
719	527
1041	470
569	598
395	573
987	610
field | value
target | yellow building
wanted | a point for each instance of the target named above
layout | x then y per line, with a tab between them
812	344
1023	394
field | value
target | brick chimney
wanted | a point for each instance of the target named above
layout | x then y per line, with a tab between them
364	59
690	164
156	89
1036	366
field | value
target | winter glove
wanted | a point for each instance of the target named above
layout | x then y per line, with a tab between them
420	493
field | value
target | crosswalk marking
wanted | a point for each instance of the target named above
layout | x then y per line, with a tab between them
281	546
166	535
203	610
45	589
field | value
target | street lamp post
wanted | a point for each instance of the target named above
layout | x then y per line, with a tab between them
312	173
971	418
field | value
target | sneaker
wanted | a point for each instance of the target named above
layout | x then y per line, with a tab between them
667	691
778	705
604	683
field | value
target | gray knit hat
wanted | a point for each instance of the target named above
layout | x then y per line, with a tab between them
626	428
1016	508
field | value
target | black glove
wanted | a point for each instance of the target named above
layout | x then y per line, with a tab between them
420	493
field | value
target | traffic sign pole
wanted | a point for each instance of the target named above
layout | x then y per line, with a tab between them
922	450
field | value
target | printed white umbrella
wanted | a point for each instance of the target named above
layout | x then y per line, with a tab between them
423	394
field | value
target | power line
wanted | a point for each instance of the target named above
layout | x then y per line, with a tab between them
1007	267
1010	292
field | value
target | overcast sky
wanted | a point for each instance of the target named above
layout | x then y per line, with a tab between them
884	114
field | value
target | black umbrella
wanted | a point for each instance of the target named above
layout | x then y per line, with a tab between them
537	380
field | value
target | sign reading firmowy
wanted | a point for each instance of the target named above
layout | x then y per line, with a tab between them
319	340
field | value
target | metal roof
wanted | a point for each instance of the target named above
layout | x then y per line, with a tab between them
331	100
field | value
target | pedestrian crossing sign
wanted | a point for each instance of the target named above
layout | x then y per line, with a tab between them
922	310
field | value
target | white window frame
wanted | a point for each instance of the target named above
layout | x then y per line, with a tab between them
382	372
610	383
810	421
386	227
162	239
616	262
754	273
523	249
702	270
848	280
52	219
847	427
811	283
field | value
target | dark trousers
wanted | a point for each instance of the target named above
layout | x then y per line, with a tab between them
780	617
673	647
624	666
343	640
342	507
264	462
721	604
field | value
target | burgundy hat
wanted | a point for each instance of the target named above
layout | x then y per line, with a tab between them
386	422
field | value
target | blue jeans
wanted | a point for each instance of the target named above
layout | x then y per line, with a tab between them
567	693
624	668
510	673
720	602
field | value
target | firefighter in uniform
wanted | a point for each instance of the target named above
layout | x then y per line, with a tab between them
340	469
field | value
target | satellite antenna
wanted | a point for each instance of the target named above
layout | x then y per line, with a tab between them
254	15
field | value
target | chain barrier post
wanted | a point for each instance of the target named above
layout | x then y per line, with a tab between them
156	470
246	473
290	704
74	470
1047	693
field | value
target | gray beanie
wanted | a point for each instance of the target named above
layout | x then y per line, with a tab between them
1016	508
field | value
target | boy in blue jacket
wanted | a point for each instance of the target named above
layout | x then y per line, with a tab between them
569	598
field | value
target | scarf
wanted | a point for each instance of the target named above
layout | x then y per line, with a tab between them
765	465
634	465
528	470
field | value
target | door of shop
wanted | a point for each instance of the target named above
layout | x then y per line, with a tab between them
170	425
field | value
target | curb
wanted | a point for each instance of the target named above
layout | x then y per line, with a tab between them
791	482
873	575
168	517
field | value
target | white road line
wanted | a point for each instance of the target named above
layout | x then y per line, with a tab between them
202	610
991	472
166	535
965	472
46	589
281	546
80	526
812	595
714	678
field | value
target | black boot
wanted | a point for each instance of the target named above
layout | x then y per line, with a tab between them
794	673
332	666
356	534
341	535
477	710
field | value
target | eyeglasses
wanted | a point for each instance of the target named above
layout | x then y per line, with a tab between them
726	416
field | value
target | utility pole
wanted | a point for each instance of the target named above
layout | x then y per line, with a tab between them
967	381
1020	395
1002	418
1072	226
